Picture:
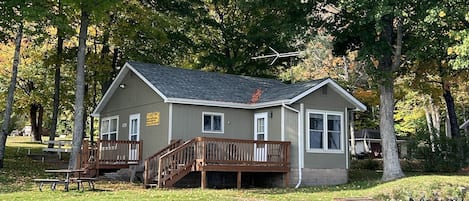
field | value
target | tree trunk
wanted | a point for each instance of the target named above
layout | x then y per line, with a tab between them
435	113
391	166
453	120
11	92
352	134
80	91
95	93
36	121
40	115
58	64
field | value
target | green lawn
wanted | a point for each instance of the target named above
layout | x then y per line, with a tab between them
15	184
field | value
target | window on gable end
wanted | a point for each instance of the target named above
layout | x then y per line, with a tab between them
325	131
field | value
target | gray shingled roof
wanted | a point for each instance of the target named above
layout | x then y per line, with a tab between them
210	86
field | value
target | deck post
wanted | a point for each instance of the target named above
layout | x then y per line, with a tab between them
203	179
238	180
286	177
145	173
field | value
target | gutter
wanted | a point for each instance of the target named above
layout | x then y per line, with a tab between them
300	141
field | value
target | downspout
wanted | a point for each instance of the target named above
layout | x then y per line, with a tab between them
300	153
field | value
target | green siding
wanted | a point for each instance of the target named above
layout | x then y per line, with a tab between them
187	122
291	134
328	100
138	98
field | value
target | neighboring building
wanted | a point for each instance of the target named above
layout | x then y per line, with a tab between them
368	144
158	105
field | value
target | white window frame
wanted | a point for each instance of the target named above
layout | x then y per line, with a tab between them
213	114
324	148
131	117
108	133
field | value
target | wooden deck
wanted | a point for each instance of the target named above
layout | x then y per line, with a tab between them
110	154
178	159
222	155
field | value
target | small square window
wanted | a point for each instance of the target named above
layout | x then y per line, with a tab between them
212	122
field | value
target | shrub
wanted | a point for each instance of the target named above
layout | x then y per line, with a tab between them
439	153
367	164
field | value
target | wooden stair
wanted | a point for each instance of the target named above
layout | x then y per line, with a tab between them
176	164
204	154
151	164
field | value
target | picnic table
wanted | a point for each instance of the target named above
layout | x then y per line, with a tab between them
67	179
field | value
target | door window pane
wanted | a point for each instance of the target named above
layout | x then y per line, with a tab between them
133	126
260	125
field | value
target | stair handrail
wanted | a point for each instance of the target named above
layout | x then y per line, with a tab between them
168	165
151	162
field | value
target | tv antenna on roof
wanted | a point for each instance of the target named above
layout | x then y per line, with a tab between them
277	55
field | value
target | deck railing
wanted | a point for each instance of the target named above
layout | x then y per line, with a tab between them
223	154
111	152
119	151
151	163
249	152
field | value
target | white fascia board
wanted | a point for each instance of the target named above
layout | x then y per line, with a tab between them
360	106
115	85
149	84
225	104
112	88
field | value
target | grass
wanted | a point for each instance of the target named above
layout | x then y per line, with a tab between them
16	184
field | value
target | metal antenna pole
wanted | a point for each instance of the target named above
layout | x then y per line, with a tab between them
277	55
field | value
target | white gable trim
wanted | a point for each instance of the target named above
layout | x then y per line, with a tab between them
115	85
336	88
107	96
147	82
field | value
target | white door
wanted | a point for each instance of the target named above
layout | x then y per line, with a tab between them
134	135
260	134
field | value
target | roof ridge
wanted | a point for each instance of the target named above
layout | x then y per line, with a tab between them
209	72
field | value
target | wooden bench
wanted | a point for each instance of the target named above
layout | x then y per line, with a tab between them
52	182
58	147
80	181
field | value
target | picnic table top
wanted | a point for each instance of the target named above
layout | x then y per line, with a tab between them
64	170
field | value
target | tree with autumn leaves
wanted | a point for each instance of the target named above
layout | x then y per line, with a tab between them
387	53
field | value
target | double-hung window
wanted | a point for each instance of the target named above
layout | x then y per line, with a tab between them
325	131
109	128
212	122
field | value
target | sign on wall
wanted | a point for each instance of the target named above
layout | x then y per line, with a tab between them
153	119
